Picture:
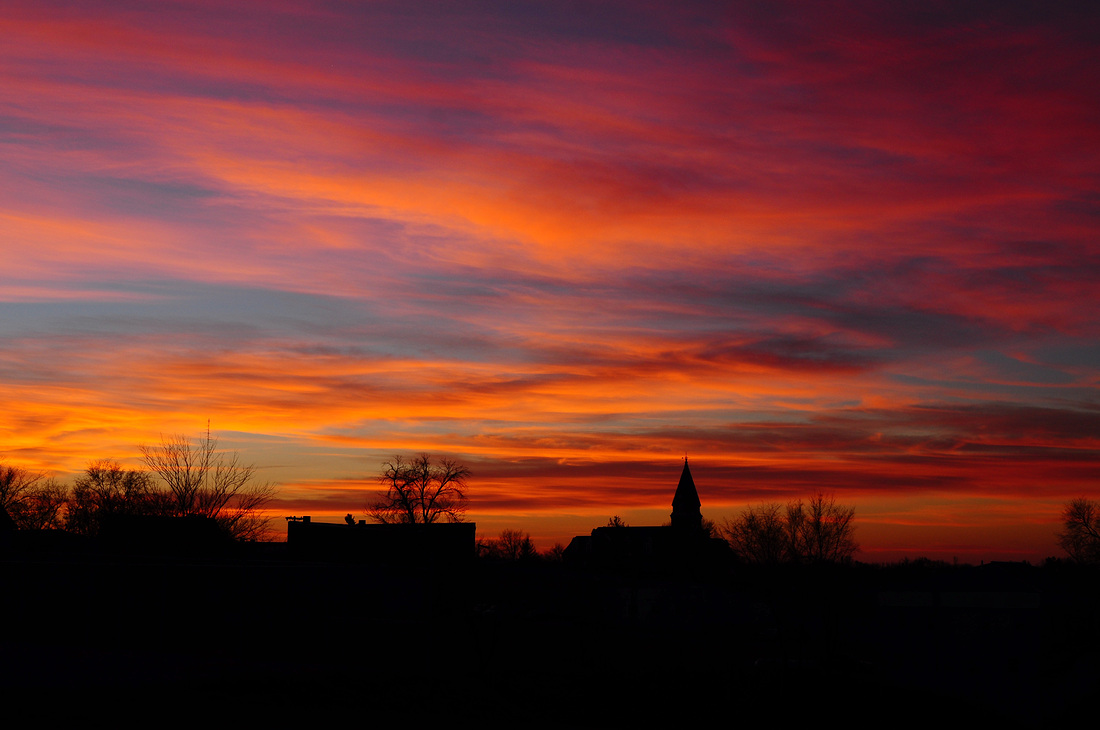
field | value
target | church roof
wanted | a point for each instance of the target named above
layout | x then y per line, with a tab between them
686	496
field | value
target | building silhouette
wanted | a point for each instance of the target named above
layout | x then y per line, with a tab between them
686	517
681	542
437	543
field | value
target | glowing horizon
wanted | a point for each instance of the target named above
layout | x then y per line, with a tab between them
851	250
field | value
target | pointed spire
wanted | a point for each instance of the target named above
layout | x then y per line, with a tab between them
685	503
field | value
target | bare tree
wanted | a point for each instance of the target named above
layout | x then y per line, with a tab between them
33	501
485	548
45	506
105	490
15	483
759	534
818	531
512	545
420	492
825	530
201	480
1080	535
515	545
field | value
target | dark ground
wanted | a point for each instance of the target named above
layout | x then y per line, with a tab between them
258	636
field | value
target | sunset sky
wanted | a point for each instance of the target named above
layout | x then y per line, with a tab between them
848	247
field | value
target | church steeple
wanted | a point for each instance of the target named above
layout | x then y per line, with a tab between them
685	504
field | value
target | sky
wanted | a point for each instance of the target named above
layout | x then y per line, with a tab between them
848	248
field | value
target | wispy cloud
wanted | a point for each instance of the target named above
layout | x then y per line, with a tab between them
848	248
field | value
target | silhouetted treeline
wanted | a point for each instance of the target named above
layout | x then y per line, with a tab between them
184	478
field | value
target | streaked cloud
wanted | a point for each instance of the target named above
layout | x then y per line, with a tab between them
848	248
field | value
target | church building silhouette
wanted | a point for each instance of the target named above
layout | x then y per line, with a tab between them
683	540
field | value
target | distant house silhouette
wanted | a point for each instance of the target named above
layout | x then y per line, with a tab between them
682	541
437	543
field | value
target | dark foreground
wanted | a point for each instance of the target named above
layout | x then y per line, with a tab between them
258	637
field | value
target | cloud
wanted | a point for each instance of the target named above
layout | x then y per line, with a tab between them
851	248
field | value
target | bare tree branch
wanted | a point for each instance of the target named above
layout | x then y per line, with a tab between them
106	490
818	531
33	501
420	491
204	481
1080	535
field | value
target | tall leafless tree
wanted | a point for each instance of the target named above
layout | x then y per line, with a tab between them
555	554
814	532
107	490
15	483
516	545
1080	535
821	530
202	480
421	492
759	534
33	501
